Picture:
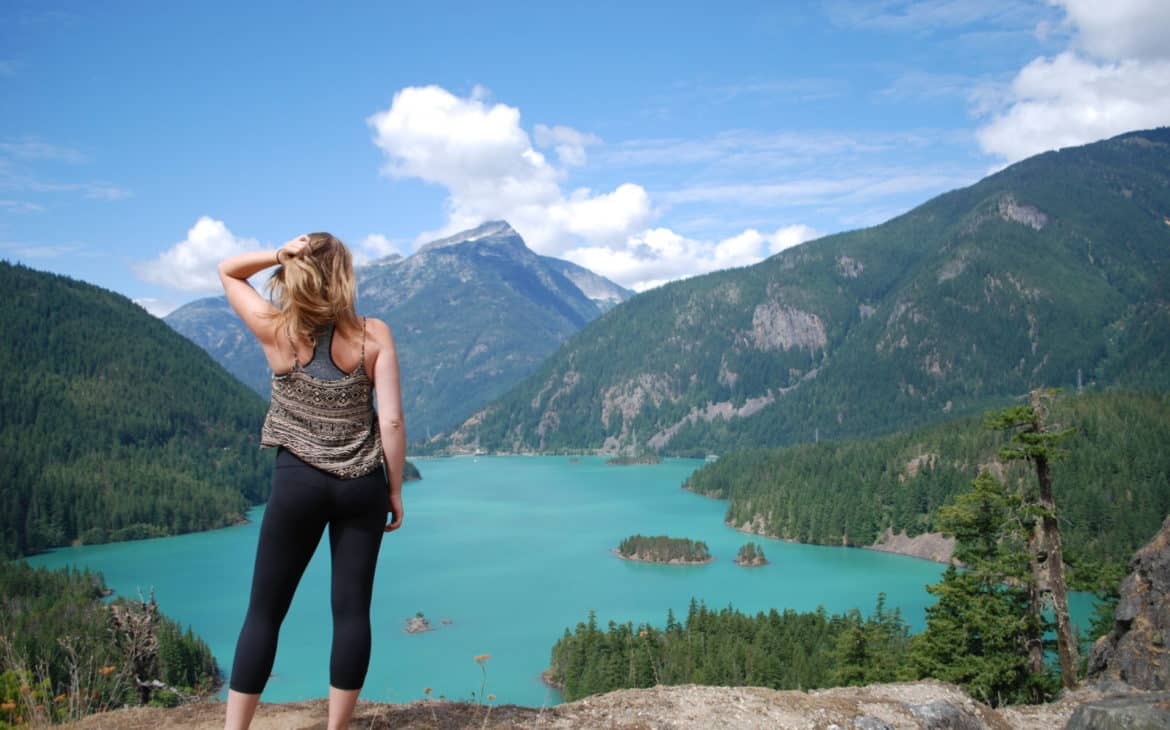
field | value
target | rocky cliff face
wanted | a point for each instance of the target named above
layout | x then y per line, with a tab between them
1135	651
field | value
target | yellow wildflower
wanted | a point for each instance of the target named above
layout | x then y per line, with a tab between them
481	658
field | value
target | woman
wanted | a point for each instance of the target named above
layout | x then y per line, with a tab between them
331	449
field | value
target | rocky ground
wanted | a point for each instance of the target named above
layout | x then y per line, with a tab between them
932	705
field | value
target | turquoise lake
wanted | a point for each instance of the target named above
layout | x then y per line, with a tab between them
512	550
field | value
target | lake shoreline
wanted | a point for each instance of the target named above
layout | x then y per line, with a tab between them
462	549
919	547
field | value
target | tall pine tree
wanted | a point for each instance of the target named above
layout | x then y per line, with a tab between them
978	633
1033	442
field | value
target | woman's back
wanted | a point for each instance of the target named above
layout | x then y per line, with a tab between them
324	414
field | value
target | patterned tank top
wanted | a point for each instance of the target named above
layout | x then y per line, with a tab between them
326	422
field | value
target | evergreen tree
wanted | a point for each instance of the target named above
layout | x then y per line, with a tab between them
1033	442
979	632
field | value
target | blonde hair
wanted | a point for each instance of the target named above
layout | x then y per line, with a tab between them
315	288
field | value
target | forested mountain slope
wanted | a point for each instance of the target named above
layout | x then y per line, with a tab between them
112	425
471	314
1112	489
1052	271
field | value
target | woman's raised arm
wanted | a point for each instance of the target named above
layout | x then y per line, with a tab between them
254	310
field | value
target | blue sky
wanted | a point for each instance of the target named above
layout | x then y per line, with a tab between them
142	142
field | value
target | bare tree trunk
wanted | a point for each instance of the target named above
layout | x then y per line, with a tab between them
1037	588
1052	558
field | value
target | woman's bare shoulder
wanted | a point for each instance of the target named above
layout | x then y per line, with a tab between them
379	332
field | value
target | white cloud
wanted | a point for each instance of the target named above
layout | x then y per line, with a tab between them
1070	100
464	145
491	170
658	255
790	236
569	143
1115	79
1120	28
374	246
190	265
605	217
157	307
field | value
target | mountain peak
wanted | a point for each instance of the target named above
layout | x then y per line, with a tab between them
490	232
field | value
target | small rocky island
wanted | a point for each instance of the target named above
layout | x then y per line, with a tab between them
417	624
751	555
664	550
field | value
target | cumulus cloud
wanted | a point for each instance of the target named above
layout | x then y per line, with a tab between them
658	255
190	264
487	162
493	169
1114	78
1120	28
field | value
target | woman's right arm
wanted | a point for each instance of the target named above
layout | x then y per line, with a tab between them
254	310
392	428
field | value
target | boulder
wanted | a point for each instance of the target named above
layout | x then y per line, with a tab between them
942	715
1136	712
1136	650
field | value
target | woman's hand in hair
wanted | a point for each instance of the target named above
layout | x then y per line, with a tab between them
294	247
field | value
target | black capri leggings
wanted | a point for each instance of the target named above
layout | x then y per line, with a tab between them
304	500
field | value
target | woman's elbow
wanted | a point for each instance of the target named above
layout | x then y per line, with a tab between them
392	424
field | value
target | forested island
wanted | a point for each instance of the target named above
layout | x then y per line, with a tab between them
648	457
750	555
663	549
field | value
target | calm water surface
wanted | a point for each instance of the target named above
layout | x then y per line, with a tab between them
512	550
